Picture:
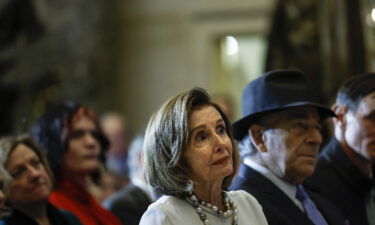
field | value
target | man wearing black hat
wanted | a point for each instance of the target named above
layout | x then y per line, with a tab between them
345	170
280	139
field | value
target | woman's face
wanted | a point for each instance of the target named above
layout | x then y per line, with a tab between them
83	149
2	196
31	183
209	149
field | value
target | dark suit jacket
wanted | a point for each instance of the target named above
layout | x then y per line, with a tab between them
56	217
278	208
128	204
341	182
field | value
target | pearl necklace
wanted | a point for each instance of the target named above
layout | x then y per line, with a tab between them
231	208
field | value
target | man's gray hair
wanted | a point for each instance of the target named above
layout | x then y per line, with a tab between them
166	136
246	147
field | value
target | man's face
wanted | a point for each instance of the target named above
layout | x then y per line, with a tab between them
292	139
360	128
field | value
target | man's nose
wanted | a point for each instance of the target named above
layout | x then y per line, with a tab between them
314	136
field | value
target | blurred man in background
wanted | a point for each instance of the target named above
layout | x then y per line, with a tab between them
132	201
345	169
115	128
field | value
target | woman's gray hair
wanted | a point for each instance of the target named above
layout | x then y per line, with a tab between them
166	137
7	146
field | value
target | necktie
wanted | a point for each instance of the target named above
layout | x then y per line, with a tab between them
310	207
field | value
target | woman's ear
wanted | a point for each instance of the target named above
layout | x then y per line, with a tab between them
256	137
340	111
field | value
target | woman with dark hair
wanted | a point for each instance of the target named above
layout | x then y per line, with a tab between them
75	146
28	184
190	158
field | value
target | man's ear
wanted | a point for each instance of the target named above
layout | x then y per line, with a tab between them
340	111
256	137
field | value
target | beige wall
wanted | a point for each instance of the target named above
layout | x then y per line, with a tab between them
169	46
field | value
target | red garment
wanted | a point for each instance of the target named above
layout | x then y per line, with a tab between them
72	197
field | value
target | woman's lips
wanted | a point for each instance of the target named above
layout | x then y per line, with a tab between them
221	161
92	156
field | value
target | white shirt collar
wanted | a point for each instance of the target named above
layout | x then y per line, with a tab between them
289	189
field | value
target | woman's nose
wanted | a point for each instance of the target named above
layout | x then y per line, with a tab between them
34	173
219	143
89	139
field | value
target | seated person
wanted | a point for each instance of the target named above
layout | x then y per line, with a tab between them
132	201
345	170
28	184
280	132
75	145
190	158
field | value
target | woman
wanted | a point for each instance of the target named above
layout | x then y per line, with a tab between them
28	184
75	146
190	158
4	210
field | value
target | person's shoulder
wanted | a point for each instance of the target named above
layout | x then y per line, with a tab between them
70	217
118	197
245	202
239	194
167	202
165	210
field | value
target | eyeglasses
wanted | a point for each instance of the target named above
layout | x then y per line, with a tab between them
299	128
79	133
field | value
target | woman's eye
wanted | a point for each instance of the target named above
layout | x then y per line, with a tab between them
201	136
17	173
35	163
221	130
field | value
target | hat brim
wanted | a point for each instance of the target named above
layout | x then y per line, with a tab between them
241	126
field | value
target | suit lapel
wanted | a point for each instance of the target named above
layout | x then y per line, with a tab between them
269	195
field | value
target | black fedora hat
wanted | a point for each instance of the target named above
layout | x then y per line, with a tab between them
275	90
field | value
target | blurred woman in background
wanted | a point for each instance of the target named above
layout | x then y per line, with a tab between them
28	184
75	147
3	208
